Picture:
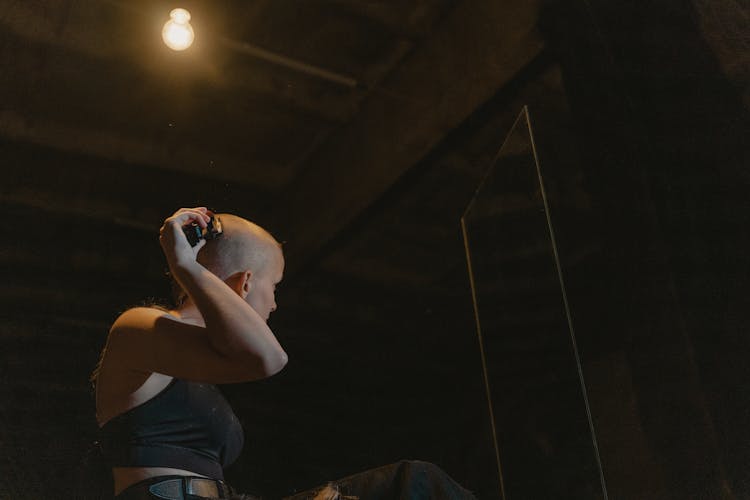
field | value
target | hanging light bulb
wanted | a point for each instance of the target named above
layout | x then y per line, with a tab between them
177	32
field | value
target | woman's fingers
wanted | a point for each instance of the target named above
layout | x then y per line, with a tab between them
185	215
199	214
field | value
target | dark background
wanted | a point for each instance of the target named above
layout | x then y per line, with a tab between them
640	112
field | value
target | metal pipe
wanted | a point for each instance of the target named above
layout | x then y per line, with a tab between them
288	62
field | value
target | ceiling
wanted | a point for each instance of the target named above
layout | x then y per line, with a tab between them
247	105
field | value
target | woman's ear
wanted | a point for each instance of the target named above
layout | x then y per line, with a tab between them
247	283
241	283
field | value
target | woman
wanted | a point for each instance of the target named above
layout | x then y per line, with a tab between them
165	429
163	423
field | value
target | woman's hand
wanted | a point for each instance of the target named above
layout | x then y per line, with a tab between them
172	238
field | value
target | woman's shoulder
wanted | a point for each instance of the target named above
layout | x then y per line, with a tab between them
136	316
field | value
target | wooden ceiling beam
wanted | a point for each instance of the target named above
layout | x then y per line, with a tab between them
408	20
115	146
475	50
86	188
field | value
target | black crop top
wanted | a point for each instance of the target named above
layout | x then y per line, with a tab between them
188	425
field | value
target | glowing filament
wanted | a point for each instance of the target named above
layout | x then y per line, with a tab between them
177	32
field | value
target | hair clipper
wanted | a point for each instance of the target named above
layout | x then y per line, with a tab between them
194	233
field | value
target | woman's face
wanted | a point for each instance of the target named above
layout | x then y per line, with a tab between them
262	294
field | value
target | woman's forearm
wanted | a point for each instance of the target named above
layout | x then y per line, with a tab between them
234	328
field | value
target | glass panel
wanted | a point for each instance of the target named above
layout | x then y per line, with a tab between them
545	444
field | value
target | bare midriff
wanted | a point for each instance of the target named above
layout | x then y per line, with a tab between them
126	476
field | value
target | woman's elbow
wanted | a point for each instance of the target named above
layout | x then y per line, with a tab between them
274	364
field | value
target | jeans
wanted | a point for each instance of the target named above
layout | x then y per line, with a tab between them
407	480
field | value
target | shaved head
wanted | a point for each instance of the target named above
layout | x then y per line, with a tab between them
243	246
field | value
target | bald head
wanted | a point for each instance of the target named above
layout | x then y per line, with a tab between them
243	246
